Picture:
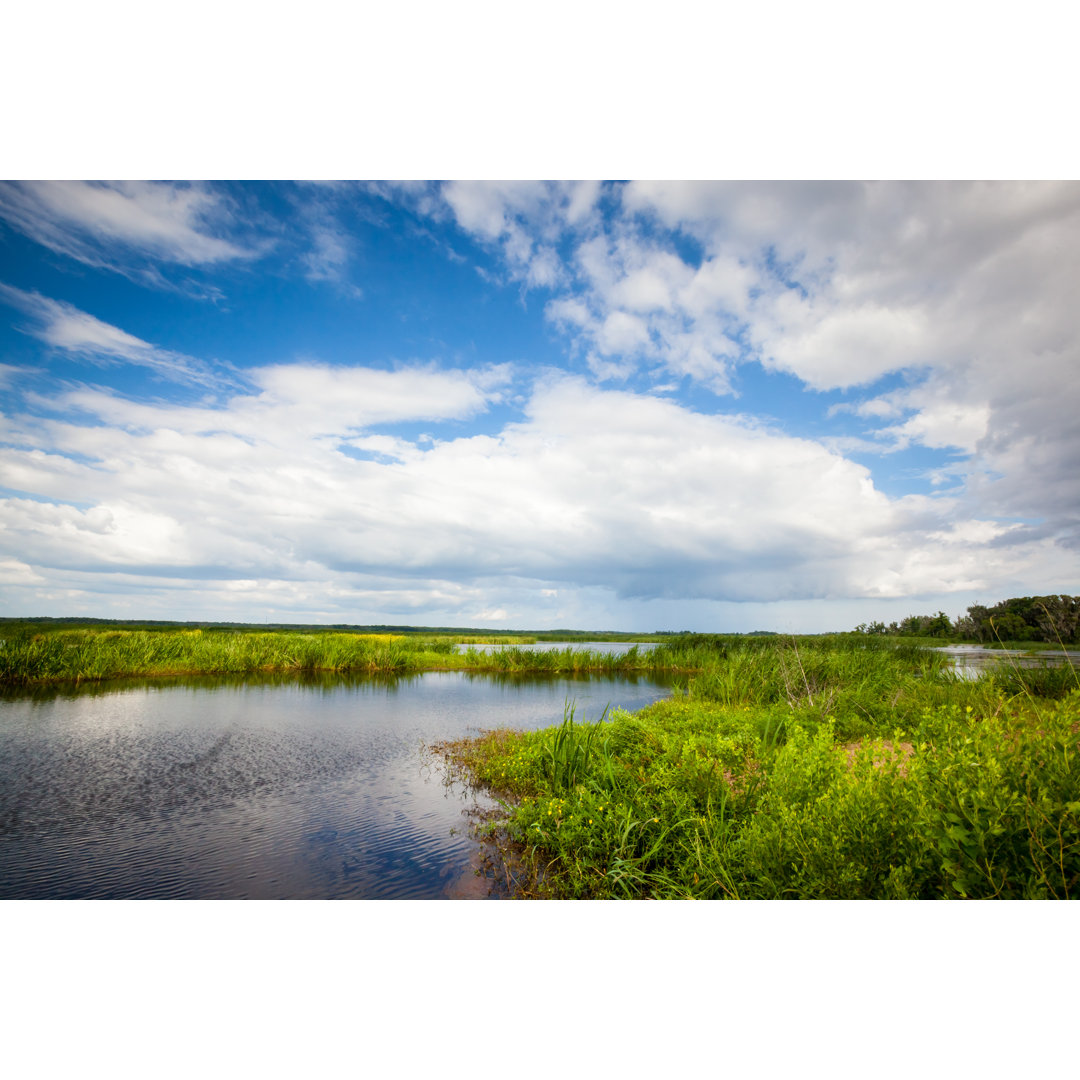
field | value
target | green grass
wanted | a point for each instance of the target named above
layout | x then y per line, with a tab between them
30	655
559	661
800	769
819	767
81	655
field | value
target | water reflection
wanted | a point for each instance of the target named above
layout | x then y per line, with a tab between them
972	661
616	648
241	788
311	681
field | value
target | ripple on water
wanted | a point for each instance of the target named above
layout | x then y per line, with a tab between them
249	790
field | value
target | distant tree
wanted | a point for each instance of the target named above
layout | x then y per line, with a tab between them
1057	617
1020	618
1009	626
978	616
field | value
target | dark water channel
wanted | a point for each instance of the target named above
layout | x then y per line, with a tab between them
257	789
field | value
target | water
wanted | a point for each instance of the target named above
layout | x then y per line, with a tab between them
273	788
617	648
971	661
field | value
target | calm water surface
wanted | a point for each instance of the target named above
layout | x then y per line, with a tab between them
972	661
618	648
217	789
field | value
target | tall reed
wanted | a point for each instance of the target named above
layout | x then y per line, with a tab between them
89	655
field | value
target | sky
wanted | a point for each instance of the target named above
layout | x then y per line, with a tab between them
643	405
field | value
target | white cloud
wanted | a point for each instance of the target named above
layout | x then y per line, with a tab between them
290	494
632	494
102	224
16	572
568	311
63	326
328	256
108	535
643	304
622	333
963	292
940	422
327	244
523	219
850	346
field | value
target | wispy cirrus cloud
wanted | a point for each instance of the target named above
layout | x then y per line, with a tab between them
64	327
327	244
131	226
329	253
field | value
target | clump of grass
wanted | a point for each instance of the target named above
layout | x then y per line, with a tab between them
557	661
569	750
831	773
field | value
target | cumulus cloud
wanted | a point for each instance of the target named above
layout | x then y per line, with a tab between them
636	495
943	313
16	572
641	303
524	220
962	290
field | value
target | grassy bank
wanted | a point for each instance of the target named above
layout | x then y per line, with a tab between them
29	655
38	651
816	768
80	655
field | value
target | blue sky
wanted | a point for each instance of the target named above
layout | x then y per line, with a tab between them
645	405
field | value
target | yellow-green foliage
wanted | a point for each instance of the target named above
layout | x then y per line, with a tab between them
29	656
96	654
874	782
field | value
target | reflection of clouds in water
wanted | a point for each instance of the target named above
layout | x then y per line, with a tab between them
260	789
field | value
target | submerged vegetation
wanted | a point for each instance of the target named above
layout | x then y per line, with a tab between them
809	768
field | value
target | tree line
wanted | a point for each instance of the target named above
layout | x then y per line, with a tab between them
1021	618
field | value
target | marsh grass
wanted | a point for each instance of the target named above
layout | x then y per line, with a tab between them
780	768
804	769
82	655
569	750
558	661
29	655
